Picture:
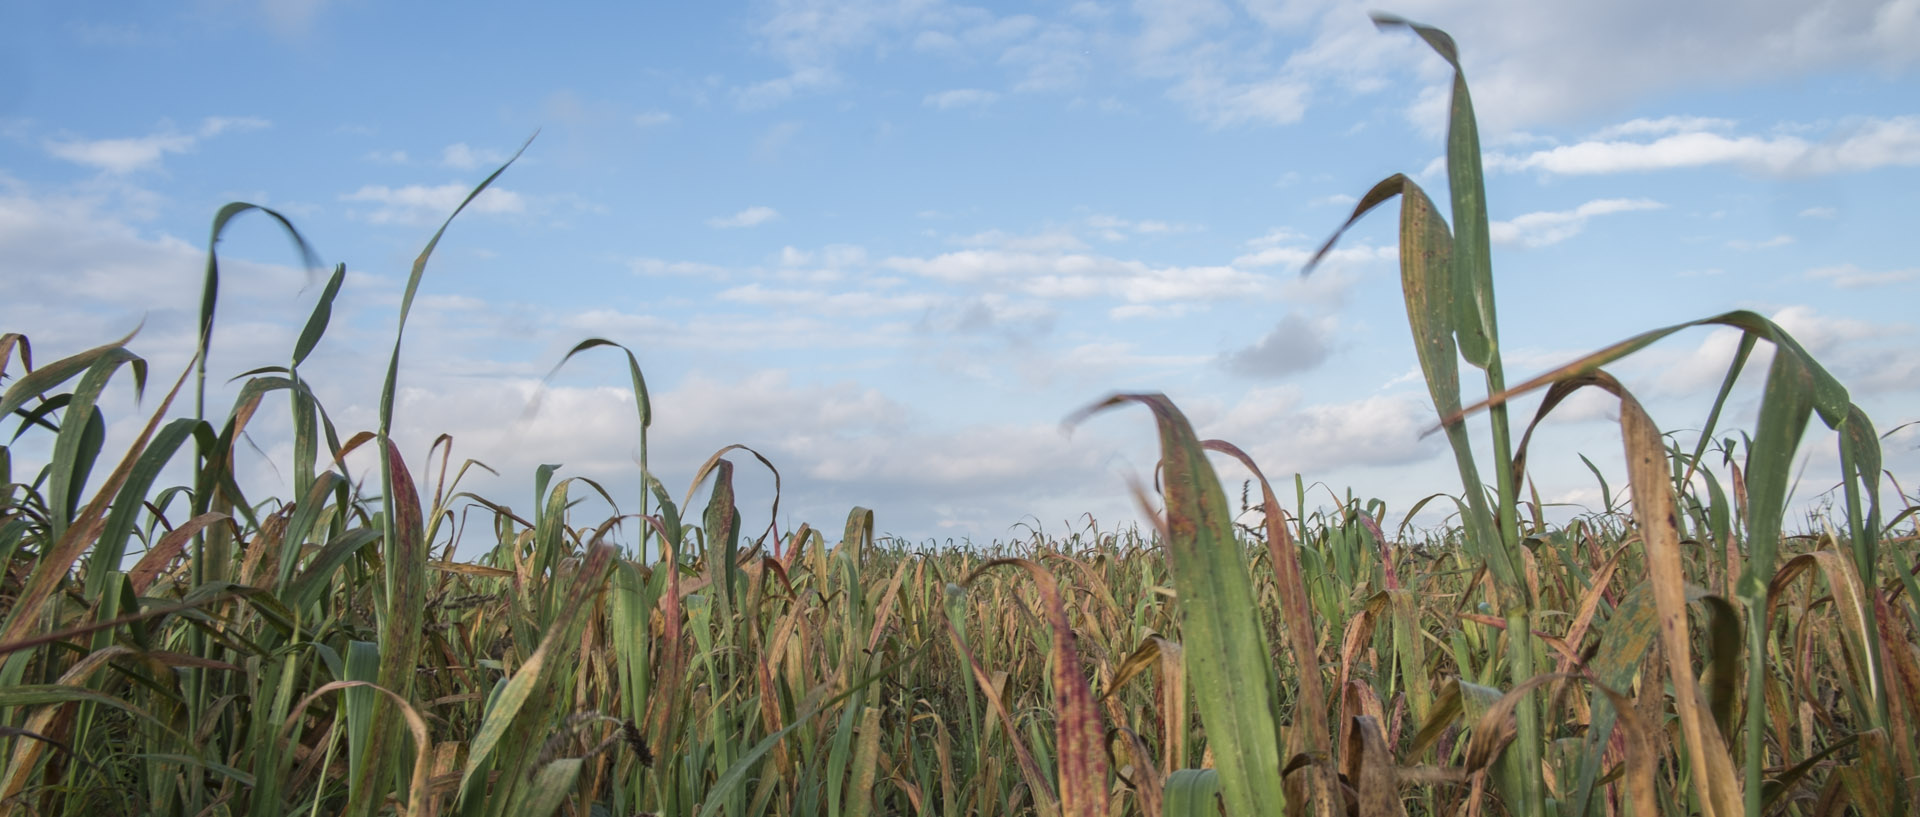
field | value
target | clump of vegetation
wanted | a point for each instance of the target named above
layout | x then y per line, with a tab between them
193	650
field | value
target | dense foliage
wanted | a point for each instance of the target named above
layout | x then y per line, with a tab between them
192	649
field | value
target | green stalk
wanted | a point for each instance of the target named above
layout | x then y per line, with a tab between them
1753	748
1526	742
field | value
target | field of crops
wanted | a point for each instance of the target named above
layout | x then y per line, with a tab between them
195	649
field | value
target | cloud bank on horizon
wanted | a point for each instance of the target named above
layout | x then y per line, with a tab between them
891	245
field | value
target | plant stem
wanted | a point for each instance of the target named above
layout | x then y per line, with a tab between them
1755	747
1527	737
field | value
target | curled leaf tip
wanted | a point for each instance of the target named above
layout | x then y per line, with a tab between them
1080	416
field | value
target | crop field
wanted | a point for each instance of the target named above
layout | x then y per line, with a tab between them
1697	648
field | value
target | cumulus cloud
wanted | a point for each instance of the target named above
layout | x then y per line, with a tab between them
750	217
215	125
1532	63
126	155
1552	227
1848	347
1296	344
1765	244
65	254
1114	228
1081	275
1663	126
1287	435
769	93
813	37
421	204
461	156
1861	145
832	256
829	303
122	155
991	314
1241	64
1222	103
658	266
1049	241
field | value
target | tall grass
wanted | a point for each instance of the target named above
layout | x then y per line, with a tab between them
194	650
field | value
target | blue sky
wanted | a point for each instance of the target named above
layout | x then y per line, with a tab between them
892	245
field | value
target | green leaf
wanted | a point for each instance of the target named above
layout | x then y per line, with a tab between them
322	313
1786	406
550	787
1193	793
1225	639
514	693
1472	260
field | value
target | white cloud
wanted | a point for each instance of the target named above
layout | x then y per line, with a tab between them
656	266
829	303
813	37
1125	312
1114	228
215	125
126	155
1221	103
1234	64
1286	435
1767	244
1049	241
1861	145
1551	227
1100	358
744	331
1853	350
750	217
1296	256
1055	58
772	92
989	314
1296	344
653	119
420	204
461	156
960	98
121	155
1820	213
1848	276
1531	62
1079	275
1662	126
831	257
